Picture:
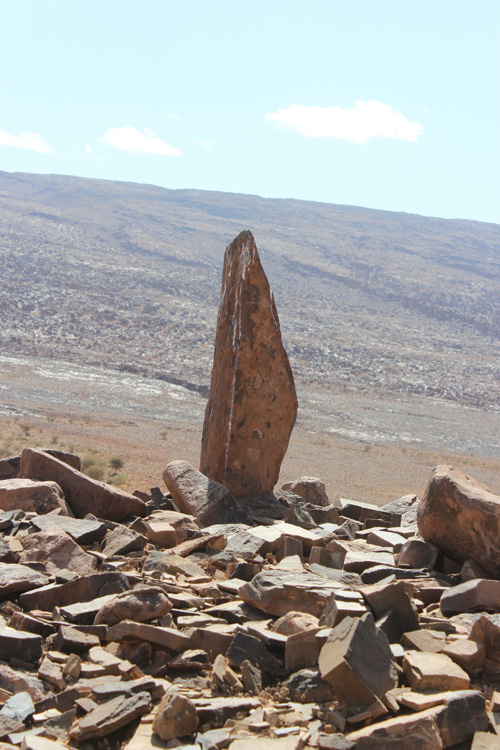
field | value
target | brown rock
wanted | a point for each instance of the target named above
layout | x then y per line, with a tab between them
414	732
415	553
357	661
280	591
252	404
111	716
461	517
167	638
478	594
57	551
176	717
487	632
466	653
25	646
139	605
161	533
83	494
195	493
82	589
431	671
310	489
29	495
294	622
16	578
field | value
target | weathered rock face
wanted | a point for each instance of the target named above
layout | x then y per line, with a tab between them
83	494
252	404
25	494
461	517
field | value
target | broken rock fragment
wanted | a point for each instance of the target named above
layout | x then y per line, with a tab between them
461	517
193	492
252	404
83	494
357	661
29	495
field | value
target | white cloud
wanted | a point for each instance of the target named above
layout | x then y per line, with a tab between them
132	140
27	141
206	144
89	151
363	121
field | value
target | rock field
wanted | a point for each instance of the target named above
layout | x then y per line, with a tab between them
193	619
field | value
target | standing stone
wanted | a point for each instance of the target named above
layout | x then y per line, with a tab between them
252	404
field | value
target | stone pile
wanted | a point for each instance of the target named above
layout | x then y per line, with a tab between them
190	619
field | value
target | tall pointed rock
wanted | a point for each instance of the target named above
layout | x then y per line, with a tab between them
252	404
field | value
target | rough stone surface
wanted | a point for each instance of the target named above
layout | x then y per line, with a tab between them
252	404
57	551
19	578
476	595
29	495
111	716
176	717
279	591
83	494
431	671
310	489
461	517
193	492
139	605
357	661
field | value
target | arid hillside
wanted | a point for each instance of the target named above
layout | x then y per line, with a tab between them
391	321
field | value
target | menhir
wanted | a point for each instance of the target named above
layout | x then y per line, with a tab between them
252	404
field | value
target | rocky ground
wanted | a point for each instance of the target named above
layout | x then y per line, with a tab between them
185	618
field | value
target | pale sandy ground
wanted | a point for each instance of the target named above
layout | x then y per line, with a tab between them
367	447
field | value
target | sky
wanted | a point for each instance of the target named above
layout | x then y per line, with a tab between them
388	104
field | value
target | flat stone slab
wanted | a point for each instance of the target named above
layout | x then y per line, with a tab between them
82	530
28	495
19	578
477	595
83	494
432	671
280	591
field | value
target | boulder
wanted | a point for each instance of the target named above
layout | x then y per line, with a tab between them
357	661
32	496
57	551
110	716
176	717
19	578
310	489
476	595
194	493
252	403
83	494
431	671
461	517
139	605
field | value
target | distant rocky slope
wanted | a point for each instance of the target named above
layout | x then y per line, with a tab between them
128	276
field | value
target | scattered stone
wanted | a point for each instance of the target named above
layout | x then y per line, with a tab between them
294	622
15	579
416	553
252	403
278	592
122	540
467	654
82	530
111	716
